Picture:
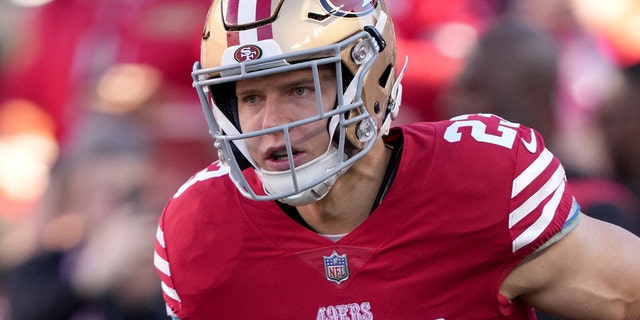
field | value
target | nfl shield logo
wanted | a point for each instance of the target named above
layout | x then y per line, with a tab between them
336	267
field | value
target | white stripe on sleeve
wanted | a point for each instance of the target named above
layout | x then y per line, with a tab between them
532	172
161	264
160	237
534	201
537	228
170	292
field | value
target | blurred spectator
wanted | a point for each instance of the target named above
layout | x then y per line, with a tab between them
66	53
83	254
620	121
435	35
65	45
98	126
582	83
511	72
91	255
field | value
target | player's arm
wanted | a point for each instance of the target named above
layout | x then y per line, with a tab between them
592	273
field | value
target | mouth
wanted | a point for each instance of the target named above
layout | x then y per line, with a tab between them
278	159
281	155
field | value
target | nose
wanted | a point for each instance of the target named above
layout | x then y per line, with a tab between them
274	112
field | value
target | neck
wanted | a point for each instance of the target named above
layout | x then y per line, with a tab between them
350	200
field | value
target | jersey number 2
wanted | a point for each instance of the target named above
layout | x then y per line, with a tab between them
479	131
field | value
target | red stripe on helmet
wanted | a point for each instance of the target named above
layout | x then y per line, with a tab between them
265	32
231	15
233	38
263	11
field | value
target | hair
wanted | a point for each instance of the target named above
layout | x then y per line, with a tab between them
511	72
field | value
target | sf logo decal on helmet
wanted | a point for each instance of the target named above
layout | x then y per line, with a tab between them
349	8
247	53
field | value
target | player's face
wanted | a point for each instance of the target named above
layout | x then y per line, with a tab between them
280	99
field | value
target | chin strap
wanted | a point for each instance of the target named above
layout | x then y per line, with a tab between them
395	100
275	182
227	126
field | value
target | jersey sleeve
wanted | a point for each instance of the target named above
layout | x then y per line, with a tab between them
163	269
184	236
521	182
542	207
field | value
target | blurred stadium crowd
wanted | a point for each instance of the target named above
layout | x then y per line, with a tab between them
99	124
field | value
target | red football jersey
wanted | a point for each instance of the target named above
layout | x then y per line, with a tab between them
472	197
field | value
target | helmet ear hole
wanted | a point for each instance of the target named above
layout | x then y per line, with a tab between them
224	96
383	81
347	76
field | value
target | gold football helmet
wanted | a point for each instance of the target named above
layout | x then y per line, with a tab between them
244	39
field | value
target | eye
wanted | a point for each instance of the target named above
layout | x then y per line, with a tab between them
251	99
302	92
299	91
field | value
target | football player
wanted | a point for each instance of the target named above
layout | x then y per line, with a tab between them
318	209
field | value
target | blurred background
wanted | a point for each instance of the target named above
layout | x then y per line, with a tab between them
99	124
